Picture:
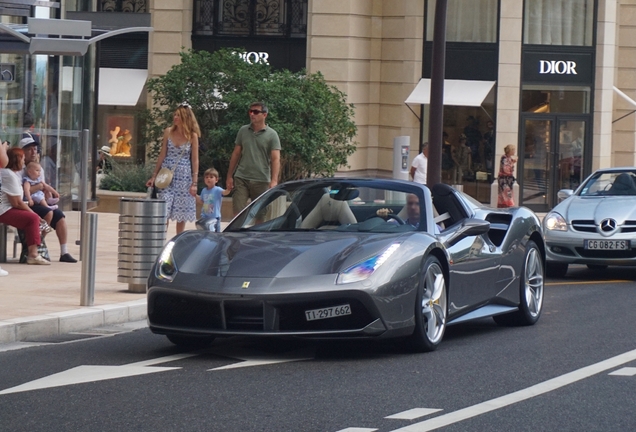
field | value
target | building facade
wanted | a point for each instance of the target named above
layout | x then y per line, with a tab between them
554	79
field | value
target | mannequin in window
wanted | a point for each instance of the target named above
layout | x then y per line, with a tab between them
462	159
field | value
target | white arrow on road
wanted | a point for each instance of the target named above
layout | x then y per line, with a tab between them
84	374
256	358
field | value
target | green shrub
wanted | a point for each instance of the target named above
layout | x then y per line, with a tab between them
312	117
126	177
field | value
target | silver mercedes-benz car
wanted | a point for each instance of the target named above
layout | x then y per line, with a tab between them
594	225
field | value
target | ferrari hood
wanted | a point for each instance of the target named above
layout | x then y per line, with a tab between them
598	208
280	254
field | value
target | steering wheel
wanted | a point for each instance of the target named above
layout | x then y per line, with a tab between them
398	219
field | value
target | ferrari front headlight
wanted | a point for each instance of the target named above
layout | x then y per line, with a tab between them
365	268
555	222
166	267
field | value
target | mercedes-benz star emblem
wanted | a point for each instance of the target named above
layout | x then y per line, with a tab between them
607	225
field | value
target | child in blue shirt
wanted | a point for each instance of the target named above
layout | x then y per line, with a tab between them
211	199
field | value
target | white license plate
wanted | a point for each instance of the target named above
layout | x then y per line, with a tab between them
607	244
328	312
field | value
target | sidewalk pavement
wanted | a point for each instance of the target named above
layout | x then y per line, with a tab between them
42	301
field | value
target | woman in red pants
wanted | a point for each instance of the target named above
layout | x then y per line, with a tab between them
14	211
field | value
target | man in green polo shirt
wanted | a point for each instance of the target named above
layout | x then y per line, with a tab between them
255	161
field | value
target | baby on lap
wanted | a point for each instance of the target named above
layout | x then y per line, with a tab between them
42	197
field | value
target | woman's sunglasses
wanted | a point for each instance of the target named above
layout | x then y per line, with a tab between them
253	111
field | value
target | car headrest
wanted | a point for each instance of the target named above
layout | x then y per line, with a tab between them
345	194
623	185
441	189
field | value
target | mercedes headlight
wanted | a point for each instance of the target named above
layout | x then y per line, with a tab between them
365	268
555	222
166	267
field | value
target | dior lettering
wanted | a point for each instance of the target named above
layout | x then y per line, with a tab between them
254	57
559	67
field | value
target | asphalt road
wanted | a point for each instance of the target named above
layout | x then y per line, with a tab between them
573	371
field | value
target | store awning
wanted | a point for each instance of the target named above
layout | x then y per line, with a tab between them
456	92
121	86
629	100
624	96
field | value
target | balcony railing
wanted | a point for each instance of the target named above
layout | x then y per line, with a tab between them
244	18
133	6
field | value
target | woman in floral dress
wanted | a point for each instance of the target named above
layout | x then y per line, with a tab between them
180	153
506	177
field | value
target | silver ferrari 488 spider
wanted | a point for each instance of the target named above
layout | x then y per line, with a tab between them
351	258
594	225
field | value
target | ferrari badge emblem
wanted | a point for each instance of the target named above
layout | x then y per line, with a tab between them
246	285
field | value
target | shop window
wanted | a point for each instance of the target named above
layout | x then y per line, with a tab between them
558	22
555	99
120	130
468	150
133	6
248	18
466	20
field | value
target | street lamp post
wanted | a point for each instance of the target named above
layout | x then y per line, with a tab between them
436	115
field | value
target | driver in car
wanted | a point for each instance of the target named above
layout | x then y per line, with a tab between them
412	211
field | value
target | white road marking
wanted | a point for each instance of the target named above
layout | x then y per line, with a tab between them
414	413
160	360
355	429
84	374
255	358
12	346
521	395
626	371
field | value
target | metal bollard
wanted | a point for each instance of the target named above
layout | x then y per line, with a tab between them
3	243
88	255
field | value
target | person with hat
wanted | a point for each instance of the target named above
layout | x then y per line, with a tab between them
55	218
104	165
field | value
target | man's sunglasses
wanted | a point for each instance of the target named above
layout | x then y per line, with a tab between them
253	111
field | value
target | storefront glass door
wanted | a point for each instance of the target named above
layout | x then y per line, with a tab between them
550	159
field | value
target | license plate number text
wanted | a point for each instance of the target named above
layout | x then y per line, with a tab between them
328	312
607	244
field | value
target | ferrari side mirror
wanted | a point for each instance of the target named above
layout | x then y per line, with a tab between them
468	228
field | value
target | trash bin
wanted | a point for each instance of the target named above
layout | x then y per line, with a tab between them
142	235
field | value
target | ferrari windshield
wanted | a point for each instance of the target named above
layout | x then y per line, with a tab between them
610	184
364	206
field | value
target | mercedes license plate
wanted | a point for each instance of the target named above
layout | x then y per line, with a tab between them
328	312
607	244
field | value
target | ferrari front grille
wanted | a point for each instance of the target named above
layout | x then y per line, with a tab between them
181	311
252	315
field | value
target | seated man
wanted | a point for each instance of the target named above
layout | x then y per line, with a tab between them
412	208
410	213
55	218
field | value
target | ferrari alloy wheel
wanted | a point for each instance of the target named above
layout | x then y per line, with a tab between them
431	308
531	291
190	341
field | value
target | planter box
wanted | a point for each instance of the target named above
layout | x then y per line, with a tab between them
108	202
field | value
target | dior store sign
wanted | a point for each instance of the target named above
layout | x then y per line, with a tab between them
562	68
